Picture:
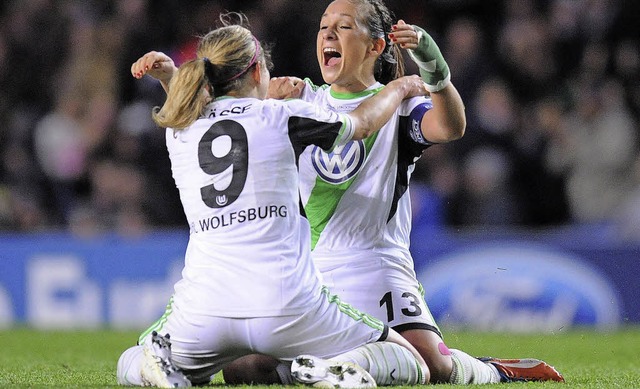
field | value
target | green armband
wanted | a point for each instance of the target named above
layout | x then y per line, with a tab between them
433	68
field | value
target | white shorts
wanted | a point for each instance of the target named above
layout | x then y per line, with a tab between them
203	345
382	288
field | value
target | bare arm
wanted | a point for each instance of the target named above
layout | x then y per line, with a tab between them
447	120
157	65
161	67
374	112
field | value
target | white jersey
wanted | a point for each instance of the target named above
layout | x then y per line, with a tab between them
356	198
235	168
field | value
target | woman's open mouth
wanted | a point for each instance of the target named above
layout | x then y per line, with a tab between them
331	56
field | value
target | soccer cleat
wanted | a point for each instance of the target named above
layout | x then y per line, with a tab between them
322	373
512	370
157	368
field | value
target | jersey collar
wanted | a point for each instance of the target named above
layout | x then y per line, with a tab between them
372	90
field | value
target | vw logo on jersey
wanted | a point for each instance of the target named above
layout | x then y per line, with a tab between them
341	164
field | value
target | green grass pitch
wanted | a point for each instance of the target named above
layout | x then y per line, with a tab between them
87	359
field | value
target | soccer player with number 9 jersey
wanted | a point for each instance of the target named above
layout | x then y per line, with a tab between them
249	285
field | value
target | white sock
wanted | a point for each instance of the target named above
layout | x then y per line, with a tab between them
130	366
387	362
470	370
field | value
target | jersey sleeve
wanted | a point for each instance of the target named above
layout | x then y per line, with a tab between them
413	110
311	92
309	124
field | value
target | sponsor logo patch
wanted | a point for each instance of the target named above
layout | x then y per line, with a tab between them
340	165
518	288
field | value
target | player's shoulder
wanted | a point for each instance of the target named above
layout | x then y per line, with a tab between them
312	92
290	106
408	105
313	87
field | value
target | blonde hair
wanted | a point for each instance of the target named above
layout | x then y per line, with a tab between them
225	56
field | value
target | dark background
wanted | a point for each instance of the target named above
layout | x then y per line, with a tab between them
552	90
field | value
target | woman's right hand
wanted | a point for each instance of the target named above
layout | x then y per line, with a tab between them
285	88
411	85
155	64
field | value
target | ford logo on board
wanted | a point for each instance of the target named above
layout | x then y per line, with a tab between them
518	288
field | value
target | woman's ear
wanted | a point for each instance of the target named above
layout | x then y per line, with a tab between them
256	74
378	46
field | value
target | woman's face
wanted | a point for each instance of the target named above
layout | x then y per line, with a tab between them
345	51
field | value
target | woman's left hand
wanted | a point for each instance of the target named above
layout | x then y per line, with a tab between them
404	34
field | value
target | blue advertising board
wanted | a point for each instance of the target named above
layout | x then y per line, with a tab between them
513	281
58	281
487	281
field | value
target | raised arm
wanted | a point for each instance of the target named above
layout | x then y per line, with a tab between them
161	67
374	112
157	65
447	120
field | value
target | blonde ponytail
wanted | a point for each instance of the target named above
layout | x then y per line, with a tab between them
226	56
186	98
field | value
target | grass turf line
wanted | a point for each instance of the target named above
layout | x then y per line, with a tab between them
87	359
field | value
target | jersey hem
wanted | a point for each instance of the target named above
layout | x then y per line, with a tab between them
417	326
385	334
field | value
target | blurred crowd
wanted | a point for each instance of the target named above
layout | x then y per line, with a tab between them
551	87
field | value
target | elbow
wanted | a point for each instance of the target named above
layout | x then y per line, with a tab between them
444	125
446	132
449	115
457	131
368	130
455	126
451	134
363	128
458	124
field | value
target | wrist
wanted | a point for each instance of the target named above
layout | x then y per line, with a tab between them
433	67
401	87
168	75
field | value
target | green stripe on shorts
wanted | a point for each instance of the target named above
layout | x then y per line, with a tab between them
157	326
353	312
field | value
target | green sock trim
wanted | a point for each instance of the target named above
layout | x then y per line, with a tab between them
420	375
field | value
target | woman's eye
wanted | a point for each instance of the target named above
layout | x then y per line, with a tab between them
345	27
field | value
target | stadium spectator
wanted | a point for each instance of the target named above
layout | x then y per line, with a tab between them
627	215
535	46
597	143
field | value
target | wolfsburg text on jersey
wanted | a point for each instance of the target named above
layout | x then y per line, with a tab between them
241	216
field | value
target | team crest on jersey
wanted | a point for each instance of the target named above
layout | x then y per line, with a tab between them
341	164
221	200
